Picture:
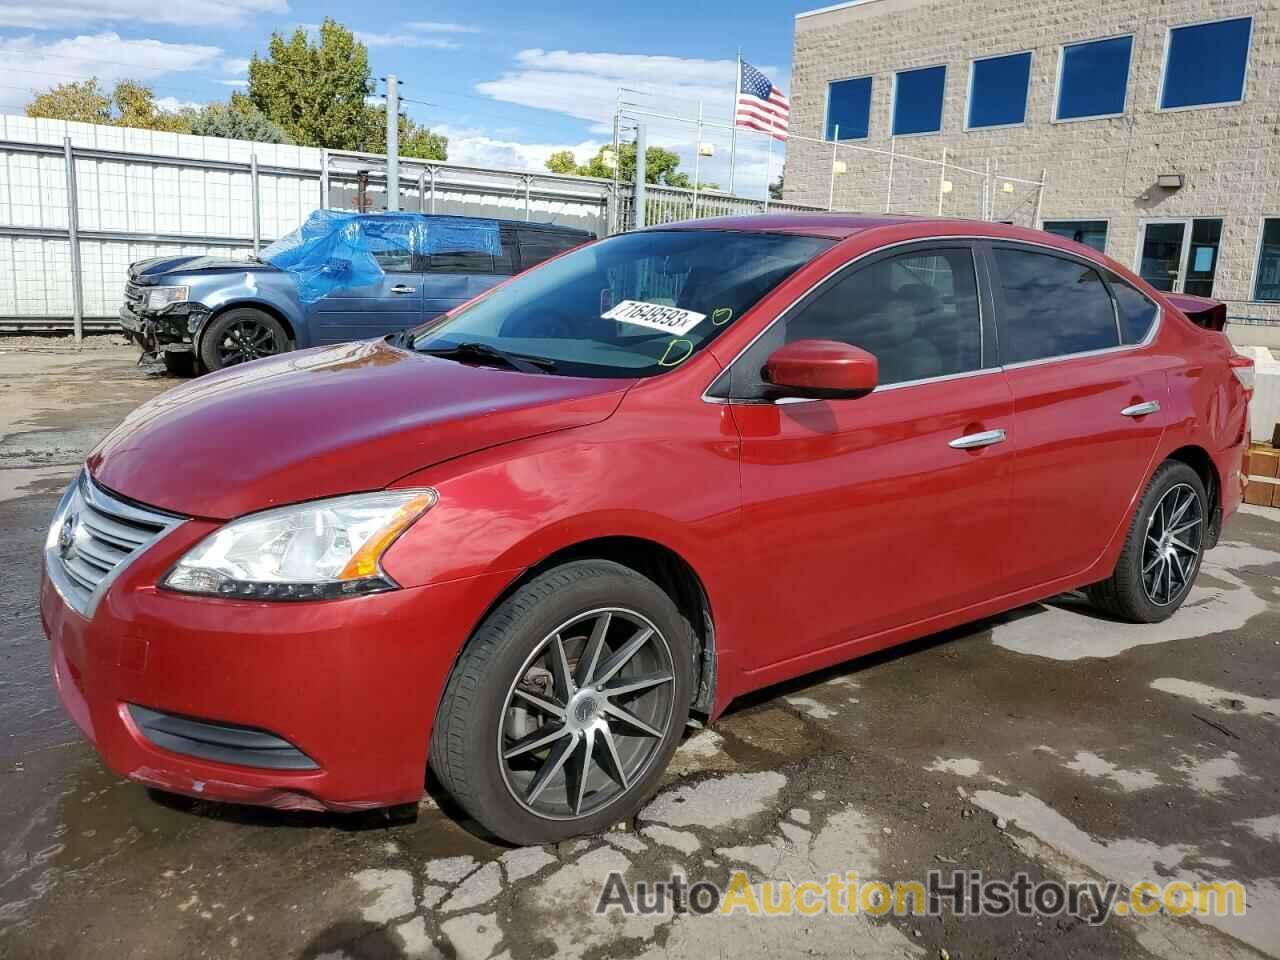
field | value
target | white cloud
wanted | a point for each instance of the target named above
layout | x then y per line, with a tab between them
173	104
235	65
482	149
403	40
584	85
33	66
77	13
234	83
435	26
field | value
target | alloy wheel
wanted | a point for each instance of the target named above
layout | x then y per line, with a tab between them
1171	550
586	714
247	340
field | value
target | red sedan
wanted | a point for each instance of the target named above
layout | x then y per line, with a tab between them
523	543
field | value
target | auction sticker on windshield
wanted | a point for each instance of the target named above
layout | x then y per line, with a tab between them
655	316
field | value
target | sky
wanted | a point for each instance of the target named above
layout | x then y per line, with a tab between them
508	82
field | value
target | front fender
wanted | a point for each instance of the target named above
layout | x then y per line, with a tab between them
271	292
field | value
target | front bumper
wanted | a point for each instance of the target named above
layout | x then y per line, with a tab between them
167	332
352	684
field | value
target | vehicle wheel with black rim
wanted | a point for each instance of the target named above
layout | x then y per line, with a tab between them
566	705
240	335
1163	550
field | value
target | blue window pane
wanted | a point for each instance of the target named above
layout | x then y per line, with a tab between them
1206	63
1267	285
1095	76
917	101
849	108
998	91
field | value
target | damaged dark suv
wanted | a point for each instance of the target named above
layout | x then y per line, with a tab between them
203	312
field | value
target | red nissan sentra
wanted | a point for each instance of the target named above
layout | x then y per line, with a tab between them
523	543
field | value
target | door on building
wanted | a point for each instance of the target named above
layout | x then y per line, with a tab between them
1179	255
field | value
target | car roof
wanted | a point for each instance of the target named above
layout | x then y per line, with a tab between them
522	224
838	226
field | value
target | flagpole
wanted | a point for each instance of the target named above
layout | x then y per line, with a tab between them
733	136
768	170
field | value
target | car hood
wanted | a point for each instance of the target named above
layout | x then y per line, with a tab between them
156	269
328	421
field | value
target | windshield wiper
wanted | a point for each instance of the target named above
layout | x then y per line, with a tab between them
482	351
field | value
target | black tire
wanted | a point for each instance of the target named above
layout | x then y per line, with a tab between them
180	364
1128	593
473	720
242	334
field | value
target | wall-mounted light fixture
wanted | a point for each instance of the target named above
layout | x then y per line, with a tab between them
706	149
1169	181
1007	187
947	186
839	166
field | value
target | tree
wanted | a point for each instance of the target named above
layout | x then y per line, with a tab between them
237	120
316	91
562	161
660	166
775	188
82	101
130	104
135	106
415	140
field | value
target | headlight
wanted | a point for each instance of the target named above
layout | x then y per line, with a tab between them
160	297
309	551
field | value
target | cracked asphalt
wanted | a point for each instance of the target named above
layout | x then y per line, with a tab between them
1049	741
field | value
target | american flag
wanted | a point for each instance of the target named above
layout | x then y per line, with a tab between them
761	105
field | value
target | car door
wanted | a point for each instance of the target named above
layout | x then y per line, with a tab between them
384	306
453	278
1088	405
865	515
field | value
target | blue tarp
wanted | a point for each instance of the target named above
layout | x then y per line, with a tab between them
335	250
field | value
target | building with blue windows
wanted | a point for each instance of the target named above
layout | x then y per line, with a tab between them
1155	130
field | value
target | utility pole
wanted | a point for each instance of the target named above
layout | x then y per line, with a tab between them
393	144
641	171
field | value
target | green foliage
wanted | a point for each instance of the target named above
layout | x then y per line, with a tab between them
130	104
661	166
775	188
415	140
238	119
316	92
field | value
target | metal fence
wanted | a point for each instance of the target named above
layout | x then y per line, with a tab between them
672	204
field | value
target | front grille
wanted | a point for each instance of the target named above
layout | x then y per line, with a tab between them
220	742
93	537
133	293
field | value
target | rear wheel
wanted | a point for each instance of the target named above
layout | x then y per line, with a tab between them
1163	550
240	335
566	705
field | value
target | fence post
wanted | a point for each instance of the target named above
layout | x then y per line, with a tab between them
432	172
942	181
642	145
422	190
324	179
73	237
527	212
831	193
986	192
257	207
888	196
1035	223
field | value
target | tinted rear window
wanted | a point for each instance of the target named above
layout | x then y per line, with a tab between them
1052	307
1137	313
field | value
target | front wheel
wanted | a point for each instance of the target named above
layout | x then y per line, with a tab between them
566	705
240	335
1163	550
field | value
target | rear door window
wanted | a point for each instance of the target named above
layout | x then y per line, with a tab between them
1051	306
1137	312
539	245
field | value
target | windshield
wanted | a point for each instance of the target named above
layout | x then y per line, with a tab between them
630	306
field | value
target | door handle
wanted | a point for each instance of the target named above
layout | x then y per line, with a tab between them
1141	409
971	441
403	288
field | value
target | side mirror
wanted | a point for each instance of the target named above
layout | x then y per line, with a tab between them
823	370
